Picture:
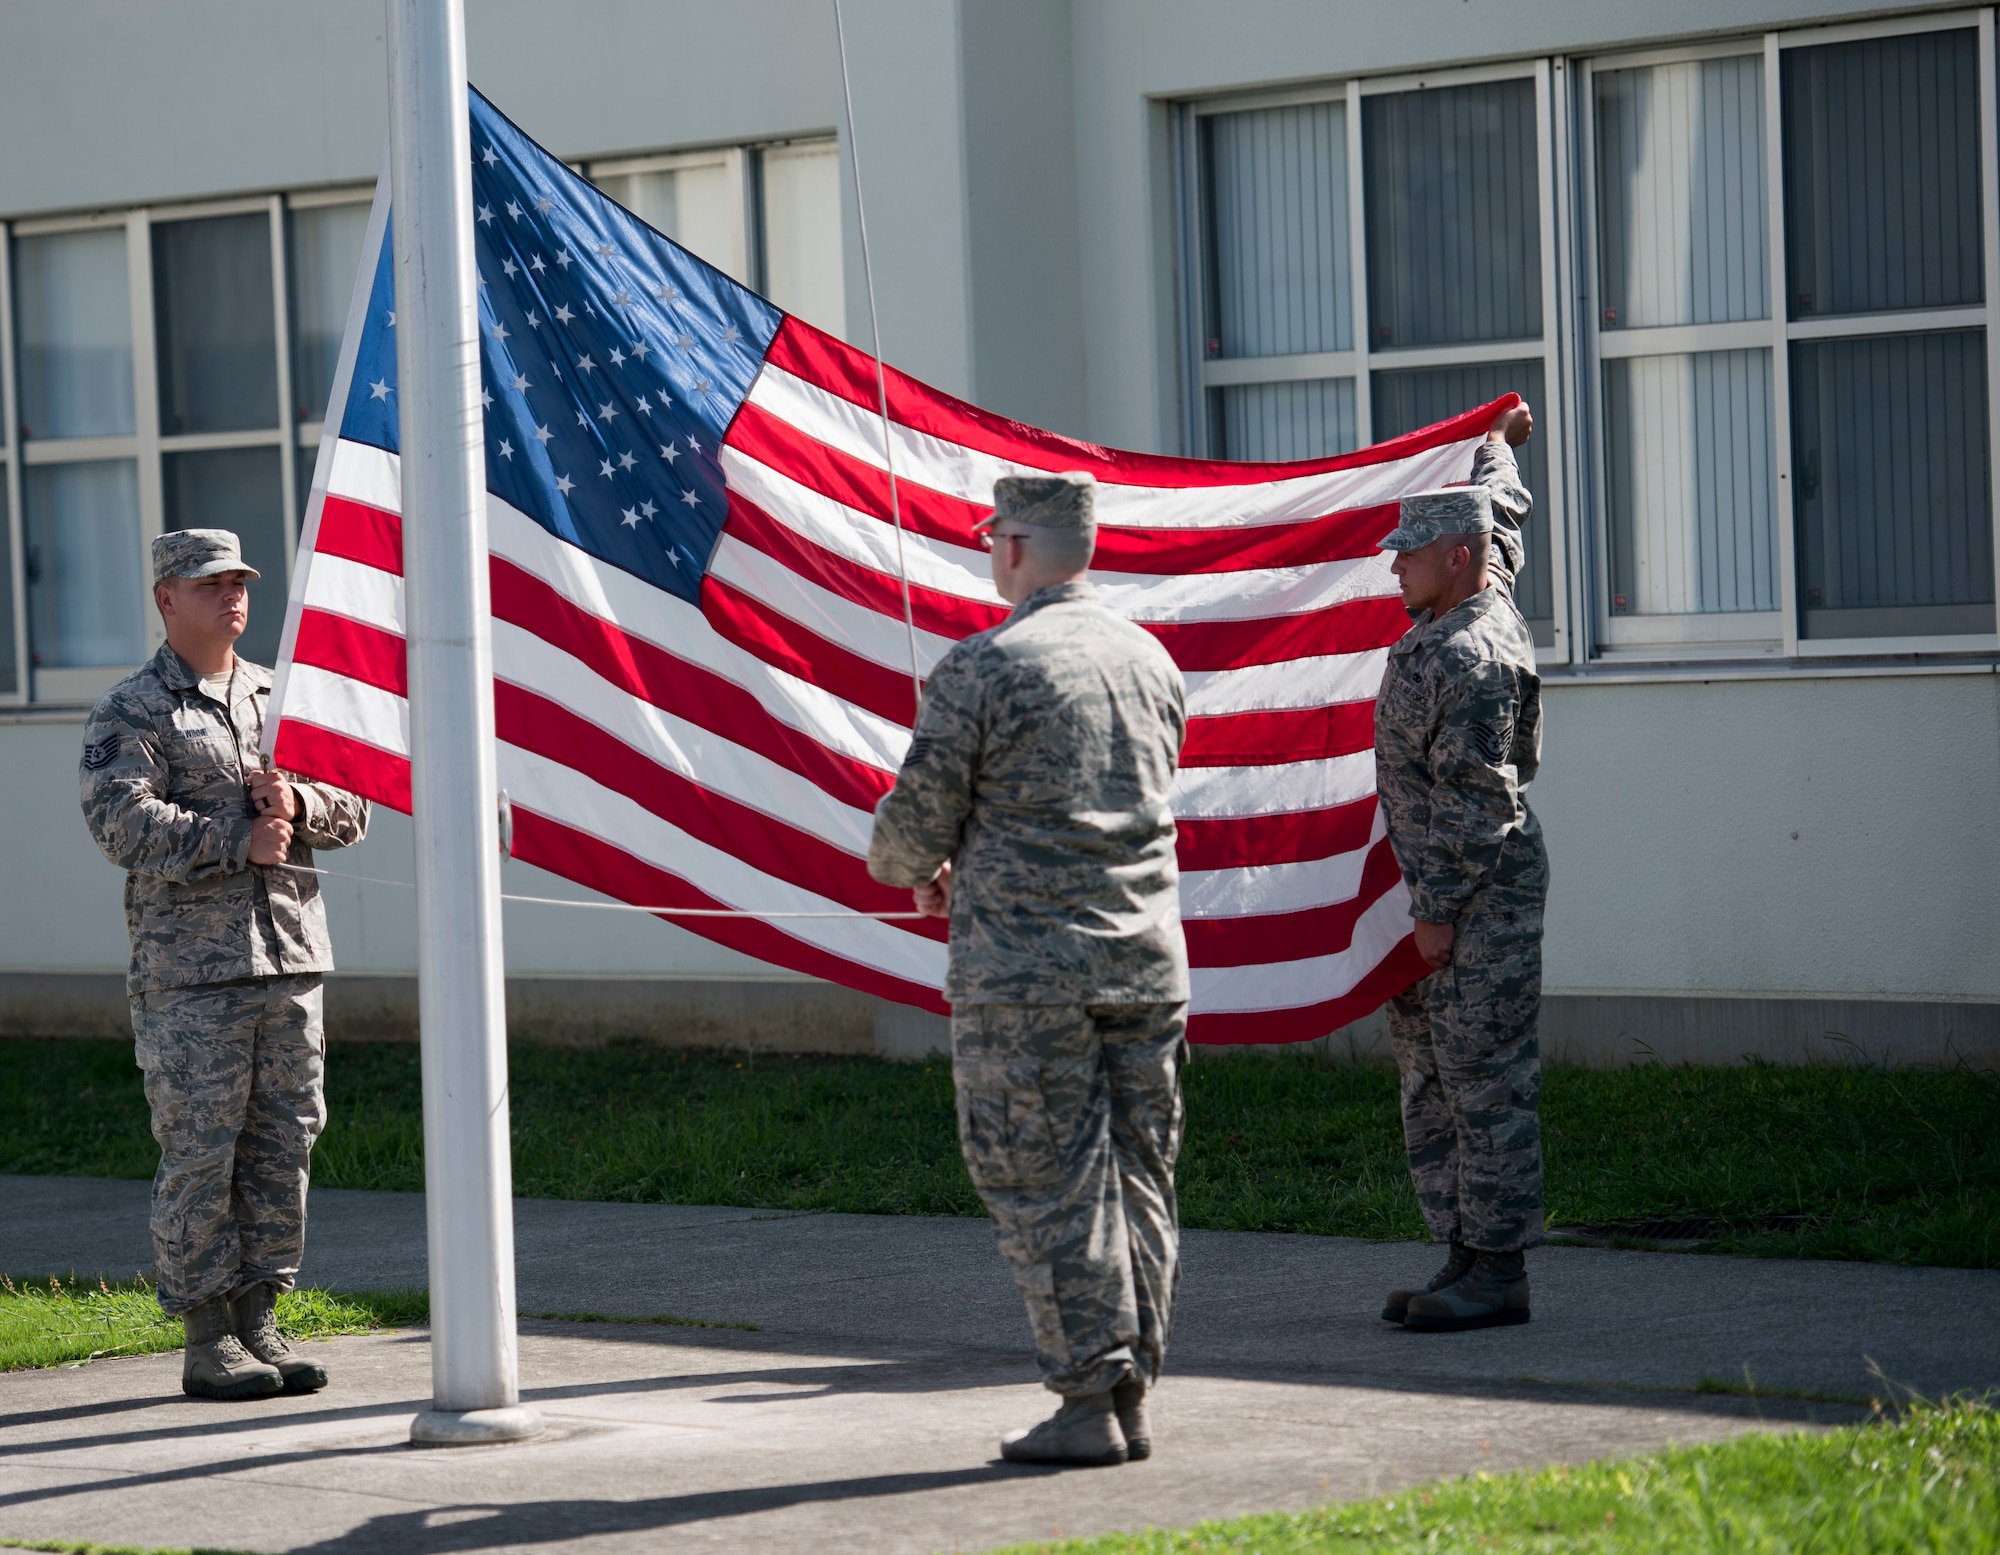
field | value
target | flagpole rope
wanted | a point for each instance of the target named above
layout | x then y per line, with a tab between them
881	374
558	901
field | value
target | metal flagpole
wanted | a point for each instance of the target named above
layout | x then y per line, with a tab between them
468	1174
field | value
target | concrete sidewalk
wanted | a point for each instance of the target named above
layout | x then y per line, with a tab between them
891	1354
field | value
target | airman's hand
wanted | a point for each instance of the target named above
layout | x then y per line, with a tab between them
934	898
270	840
1434	943
270	794
1514	426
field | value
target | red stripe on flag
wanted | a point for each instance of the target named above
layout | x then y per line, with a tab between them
798	650
1395	972
1353	627
360	533
592	862
1243	841
763	841
840	369
352	764
1194	645
687	690
1262	938
944	615
935	515
1271	738
355	649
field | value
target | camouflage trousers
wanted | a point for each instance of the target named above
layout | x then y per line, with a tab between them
234	1076
1470	1061
1070	1120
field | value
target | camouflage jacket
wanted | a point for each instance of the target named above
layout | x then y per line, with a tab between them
1494	467
1041	766
1458	739
163	778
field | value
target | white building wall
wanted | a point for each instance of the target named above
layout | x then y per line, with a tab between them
1021	210
1670	810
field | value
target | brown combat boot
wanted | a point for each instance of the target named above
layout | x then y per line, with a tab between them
1493	1294
1083	1432
1456	1267
1129	1400
257	1327
215	1364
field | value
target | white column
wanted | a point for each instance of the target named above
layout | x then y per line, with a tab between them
461	997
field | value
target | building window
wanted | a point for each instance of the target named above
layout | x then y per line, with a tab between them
150	386
767	215
1813	475
1883	223
82	542
171	368
800	267
1425	216
324	248
1683	292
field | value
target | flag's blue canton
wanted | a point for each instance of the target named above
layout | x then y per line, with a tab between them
612	363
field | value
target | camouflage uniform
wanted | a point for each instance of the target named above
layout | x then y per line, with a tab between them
225	973
1040	766
1495	468
1457	741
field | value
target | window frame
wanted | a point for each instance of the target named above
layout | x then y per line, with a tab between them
145	445
1202	373
735	161
305	444
1735	635
15	538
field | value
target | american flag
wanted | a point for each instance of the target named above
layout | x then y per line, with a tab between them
702	676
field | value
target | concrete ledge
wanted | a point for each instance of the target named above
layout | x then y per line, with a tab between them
798	1016
774	1016
1611	1031
64	1004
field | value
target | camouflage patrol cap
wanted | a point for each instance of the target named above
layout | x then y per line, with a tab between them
1446	510
1046	501
198	553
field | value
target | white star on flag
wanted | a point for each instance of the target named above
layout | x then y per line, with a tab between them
565	485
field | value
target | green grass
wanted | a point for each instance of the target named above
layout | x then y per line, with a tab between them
1892	1165
50	1323
1929	1481
84	1547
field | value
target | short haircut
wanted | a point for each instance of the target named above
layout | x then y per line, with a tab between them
1480	545
1069	550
